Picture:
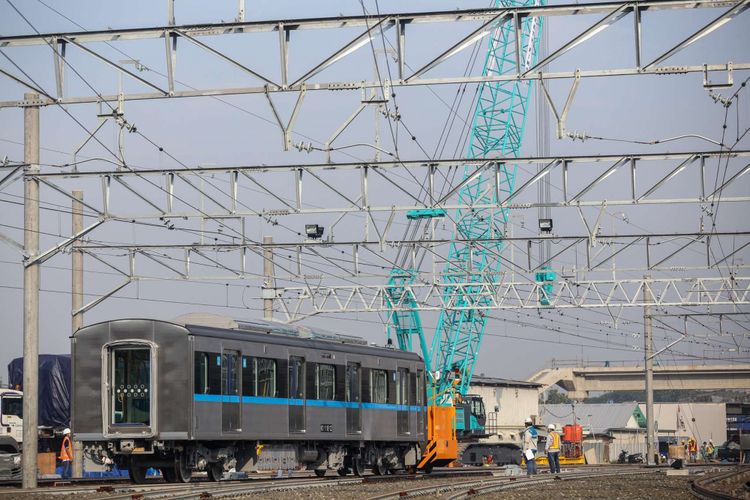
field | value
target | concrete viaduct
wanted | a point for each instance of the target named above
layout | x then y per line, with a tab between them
579	381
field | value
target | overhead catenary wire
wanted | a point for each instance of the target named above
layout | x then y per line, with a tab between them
397	123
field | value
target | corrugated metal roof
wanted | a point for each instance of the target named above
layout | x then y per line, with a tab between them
600	417
502	382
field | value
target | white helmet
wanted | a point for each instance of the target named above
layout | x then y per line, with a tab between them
528	421
551	427
66	432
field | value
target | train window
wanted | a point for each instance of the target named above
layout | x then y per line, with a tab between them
201	373
326	382
420	388
248	376
266	381
296	377
379	386
132	386
353	383
207	373
402	387
230	373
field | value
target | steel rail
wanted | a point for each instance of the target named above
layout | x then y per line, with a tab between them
705	489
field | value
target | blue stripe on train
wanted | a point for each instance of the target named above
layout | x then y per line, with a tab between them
217	398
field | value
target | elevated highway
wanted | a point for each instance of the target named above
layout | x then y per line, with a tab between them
580	381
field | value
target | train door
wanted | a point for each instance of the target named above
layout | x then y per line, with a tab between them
296	394
353	398
402	400
230	392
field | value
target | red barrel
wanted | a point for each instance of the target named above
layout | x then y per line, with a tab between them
572	433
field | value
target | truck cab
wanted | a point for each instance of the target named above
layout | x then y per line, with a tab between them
11	414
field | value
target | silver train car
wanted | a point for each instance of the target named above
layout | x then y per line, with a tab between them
184	398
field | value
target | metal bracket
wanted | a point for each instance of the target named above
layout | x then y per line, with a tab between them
561	118
593	231
730	78
287	130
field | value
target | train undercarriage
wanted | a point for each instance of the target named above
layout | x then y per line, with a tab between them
178	460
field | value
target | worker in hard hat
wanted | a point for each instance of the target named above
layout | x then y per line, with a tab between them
66	454
530	436
553	449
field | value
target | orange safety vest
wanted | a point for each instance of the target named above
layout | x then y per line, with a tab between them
66	450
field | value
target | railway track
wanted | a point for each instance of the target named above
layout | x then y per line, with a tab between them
231	488
729	485
466	489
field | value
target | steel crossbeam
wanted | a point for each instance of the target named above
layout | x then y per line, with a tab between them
351	192
302	301
668	252
304	78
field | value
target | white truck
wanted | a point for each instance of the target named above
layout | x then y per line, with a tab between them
11	414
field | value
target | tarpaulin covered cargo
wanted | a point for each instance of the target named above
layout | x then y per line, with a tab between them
54	387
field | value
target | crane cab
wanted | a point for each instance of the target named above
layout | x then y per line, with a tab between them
471	417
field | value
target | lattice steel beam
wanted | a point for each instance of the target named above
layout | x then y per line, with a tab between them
669	252
350	185
298	302
613	12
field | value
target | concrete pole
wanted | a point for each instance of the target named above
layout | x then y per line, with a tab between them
270	283
648	352
76	304
30	291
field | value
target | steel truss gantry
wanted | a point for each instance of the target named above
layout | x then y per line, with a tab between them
299	302
644	252
395	25
350	185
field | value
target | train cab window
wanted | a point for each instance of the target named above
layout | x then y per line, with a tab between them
326	382
265	385
402	387
131	370
379	386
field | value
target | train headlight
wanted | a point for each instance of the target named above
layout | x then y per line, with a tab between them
17	460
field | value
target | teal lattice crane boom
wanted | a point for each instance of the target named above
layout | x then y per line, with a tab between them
496	134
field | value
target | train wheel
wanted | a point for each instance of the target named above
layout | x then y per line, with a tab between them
412	469
215	471
357	468
182	472
428	469
137	472
320	472
380	469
